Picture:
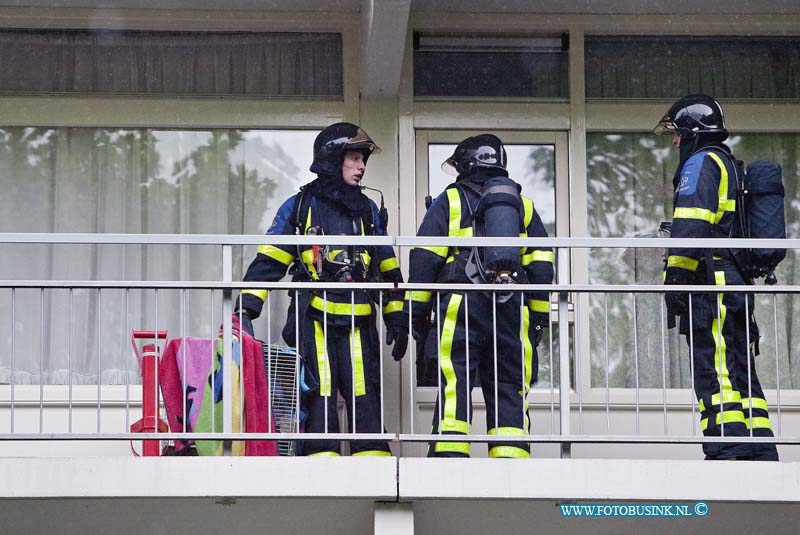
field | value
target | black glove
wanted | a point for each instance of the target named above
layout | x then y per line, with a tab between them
677	303
247	323
397	336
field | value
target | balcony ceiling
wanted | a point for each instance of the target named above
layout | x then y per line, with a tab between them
466	6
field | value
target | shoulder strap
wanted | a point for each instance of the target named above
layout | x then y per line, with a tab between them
302	207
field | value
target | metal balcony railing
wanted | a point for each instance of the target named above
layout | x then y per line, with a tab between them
578	396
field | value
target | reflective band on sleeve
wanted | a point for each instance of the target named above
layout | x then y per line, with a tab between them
755	403
323	363
683	262
341	309
446	345
393	306
421	296
358	362
261	294
694	213
452	447
388	264
538	256
276	253
458	426
324	454
438	251
759	422
372	453
508	452
538	305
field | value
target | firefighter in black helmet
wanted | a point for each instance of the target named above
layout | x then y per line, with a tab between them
338	336
705	207
483	201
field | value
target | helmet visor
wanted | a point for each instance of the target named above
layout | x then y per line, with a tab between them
361	141
665	126
449	166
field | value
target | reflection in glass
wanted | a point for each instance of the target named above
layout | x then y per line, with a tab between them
629	186
105	180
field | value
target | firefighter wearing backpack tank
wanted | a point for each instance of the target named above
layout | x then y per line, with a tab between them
465	338
333	204
705	207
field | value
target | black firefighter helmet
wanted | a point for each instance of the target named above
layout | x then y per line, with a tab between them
484	150
693	115
331	144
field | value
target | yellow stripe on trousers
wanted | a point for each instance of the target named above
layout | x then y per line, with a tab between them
357	358
446	349
323	363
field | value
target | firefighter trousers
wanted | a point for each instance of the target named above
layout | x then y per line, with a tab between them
350	366
729	394
502	352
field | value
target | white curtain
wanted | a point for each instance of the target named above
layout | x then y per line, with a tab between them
128	181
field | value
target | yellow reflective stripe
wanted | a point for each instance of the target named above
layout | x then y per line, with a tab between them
324	454
538	256
731	417
358	362
458	426
454	200
452	447
727	205
759	422
722	192
728	397
527	353
508	452
388	264
366	258
539	305
372	453
694	213
341	309
720	351
755	403
446	347
421	296
323	364
719	279
308	259
261	294
393	306
507	431
308	221
276	253
527	205
438	251
683	262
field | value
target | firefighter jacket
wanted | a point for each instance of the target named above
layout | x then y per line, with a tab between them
705	207
326	217
449	215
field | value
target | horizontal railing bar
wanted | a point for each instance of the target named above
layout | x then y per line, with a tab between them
190	239
347	286
392	437
279	239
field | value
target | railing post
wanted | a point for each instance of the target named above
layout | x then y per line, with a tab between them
563	351
227	357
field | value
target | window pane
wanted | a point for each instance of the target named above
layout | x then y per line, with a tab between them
130	181
171	63
671	67
630	193
483	66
